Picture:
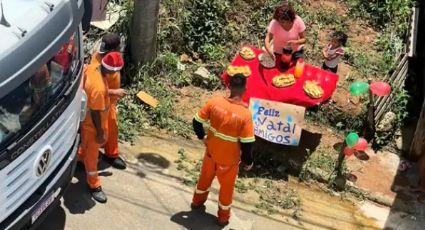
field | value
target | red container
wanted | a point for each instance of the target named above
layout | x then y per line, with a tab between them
286	58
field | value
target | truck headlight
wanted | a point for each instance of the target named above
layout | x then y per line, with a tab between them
83	106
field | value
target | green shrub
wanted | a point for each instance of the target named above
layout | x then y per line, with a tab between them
391	18
399	107
393	13
401	100
214	52
204	24
261	16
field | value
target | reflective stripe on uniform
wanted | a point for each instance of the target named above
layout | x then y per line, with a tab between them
223	136
222	167
199	119
247	139
92	173
198	191
224	207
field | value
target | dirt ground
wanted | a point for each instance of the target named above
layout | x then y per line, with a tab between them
337	6
191	99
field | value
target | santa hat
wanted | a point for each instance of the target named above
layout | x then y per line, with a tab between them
113	61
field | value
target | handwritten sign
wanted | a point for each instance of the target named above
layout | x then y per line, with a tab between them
277	122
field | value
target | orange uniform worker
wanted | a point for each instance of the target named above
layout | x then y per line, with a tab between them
230	134
94	128
110	43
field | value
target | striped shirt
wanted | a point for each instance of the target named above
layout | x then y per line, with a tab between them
335	55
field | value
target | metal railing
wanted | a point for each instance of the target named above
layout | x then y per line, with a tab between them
399	75
396	80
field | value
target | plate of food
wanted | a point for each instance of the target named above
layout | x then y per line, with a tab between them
313	89
232	70
266	60
247	53
283	80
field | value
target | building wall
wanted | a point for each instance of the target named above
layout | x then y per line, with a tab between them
418	143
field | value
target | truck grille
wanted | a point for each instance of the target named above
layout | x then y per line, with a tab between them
19	180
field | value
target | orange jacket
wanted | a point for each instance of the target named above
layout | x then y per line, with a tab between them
96	88
230	124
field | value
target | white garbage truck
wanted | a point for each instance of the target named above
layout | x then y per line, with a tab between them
41	103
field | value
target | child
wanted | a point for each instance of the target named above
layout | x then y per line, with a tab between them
333	51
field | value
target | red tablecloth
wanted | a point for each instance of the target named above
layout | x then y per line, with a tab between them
259	84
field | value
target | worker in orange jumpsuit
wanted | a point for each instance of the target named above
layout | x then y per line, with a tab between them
94	128
111	43
229	140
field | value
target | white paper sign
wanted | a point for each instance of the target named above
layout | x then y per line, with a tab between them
277	122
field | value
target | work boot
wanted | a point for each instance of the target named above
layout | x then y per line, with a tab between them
98	194
198	207
223	216
116	162
222	223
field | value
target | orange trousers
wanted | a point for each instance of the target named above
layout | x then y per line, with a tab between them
89	153
226	176
111	145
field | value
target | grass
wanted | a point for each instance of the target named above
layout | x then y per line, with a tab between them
359	195
320	165
276	196
190	168
157	79
240	186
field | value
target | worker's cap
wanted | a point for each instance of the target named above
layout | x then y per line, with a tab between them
113	61
110	42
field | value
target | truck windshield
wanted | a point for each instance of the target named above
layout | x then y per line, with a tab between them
25	105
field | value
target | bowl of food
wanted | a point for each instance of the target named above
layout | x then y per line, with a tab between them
247	53
313	89
233	70
267	60
283	80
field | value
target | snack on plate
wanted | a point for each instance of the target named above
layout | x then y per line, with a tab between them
283	80
247	53
232	70
312	89
266	60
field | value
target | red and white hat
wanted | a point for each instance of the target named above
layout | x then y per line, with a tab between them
113	61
